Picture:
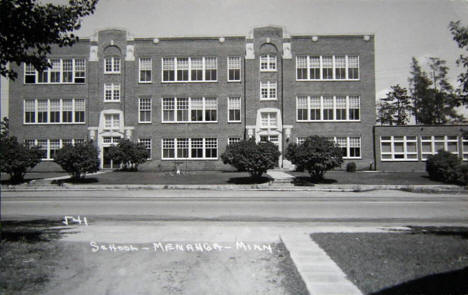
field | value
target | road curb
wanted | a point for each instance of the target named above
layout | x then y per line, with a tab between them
229	187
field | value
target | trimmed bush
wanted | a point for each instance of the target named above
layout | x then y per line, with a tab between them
316	155
252	157
130	154
462	174
78	159
16	159
443	167
351	167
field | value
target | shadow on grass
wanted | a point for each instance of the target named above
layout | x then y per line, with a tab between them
75	181
308	181
249	180
453	282
30	231
461	232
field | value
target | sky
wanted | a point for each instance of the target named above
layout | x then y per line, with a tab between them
402	28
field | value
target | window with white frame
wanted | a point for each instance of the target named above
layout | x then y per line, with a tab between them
268	90
144	110
146	142
234	68
146	67
111	139
111	92
430	145
189	69
189	148
70	70
54	111
398	148
111	121
350	146
234	109
300	140
189	109
309	68
112	65
269	119
327	108
465	147
232	140
49	147
267	63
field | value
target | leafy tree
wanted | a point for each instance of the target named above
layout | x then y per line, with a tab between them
16	158
460	35
317	155
255	158
128	153
78	159
394	109
28	29
434	101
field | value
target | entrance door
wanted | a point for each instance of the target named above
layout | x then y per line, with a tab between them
273	139
107	163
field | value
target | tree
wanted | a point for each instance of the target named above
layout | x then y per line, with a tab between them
434	101
255	158
317	155
394	109
16	158
78	159
460	35
128	153
28	29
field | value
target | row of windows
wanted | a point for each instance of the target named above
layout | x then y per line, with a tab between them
327	68
405	148
54	111
190	148
71	70
328	108
49	147
350	146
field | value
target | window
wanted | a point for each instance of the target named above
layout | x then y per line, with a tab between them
302	108
67	114
300	140
111	92
189	148
61	71
42	111
430	145
465	147
353	67
189	109
350	146
80	110
112	65
327	67
270	138
269	120
189	69
267	63
146	67
309	68
234	109
327	108
30	111
144	110
234	68
146	142
54	111
49	147
398	148
267	90
112	121
232	140
340	67
54	146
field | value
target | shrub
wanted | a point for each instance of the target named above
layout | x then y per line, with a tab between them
351	167
130	154
78	159
255	158
316	155
462	174
16	158
443	167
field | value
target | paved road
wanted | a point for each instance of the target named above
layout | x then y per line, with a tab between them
374	207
